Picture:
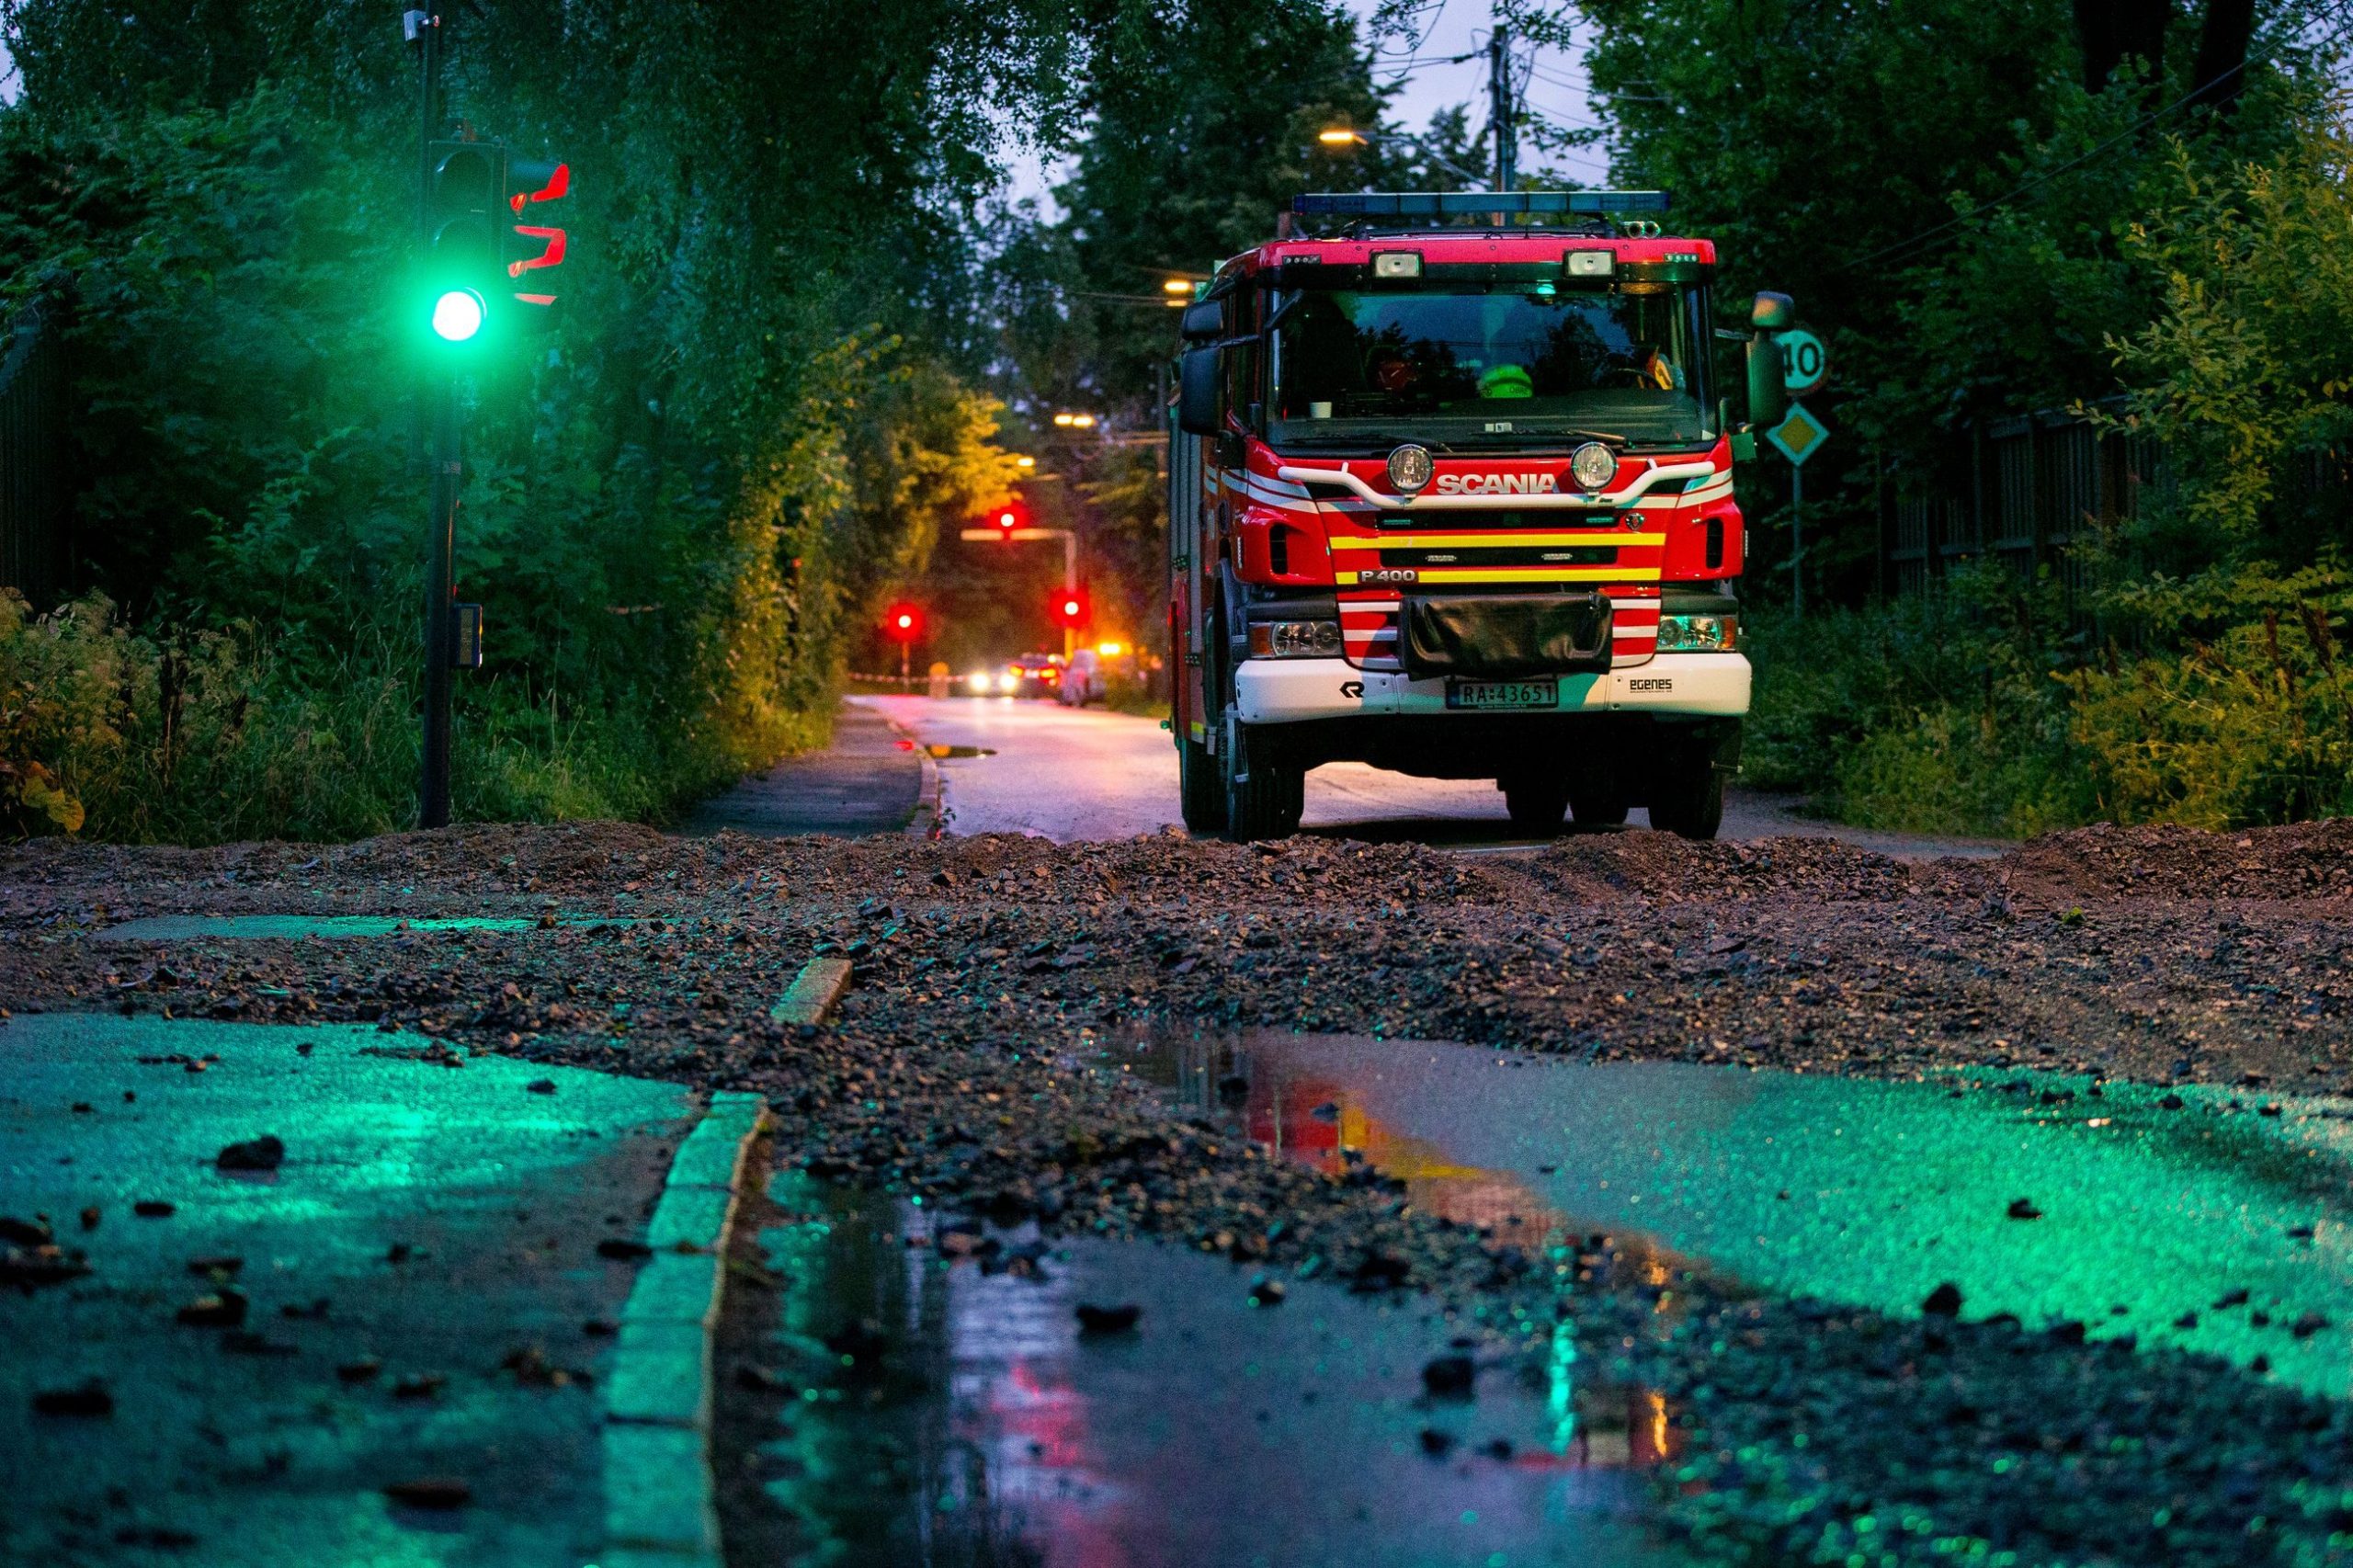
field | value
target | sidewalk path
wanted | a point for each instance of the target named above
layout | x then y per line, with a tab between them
867	781
416	1280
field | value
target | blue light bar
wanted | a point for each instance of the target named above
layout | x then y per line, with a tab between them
1470	203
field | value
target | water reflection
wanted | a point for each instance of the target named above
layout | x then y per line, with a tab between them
947	1412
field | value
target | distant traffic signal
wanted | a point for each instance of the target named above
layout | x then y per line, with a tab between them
1070	609
1014	514
902	622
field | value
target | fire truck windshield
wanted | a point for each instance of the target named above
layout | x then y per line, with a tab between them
1529	364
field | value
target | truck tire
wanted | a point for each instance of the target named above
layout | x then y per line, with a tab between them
1691	804
1598	808
1264	798
1201	788
1537	805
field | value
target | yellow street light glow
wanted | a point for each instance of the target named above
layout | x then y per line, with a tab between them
1025	463
1065	419
1175	286
1109	650
457	316
1082	420
1338	136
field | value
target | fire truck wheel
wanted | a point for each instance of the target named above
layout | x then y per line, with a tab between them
1201	788
1691	804
1537	805
1267	803
1598	808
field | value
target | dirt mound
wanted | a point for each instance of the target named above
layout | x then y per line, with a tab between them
1659	864
2302	860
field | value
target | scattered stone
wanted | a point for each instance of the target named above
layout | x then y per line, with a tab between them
90	1217
541	1087
222	1309
1437	1444
359	1372
439	1493
266	1152
1944	1302
86	1399
2237	1298
154	1208
1094	1319
2024	1209
623	1250
1449	1377
2307	1326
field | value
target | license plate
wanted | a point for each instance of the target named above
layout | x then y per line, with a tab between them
1503	694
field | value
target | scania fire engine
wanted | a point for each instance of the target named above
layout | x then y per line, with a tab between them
1455	499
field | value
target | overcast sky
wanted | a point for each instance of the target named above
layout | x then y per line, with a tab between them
1552	85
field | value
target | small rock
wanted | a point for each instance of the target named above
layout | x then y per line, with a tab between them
623	1250
2170	1102
1094	1319
399	1252
90	1217
359	1372
1437	1444
1266	1292
88	1398
154	1208
2187	1320
2231	1299
1944	1302
1449	1377
541	1087
438	1492
266	1152
2024	1209
222	1309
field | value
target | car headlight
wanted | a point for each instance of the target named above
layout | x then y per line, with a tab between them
1295	639
1009	681
1698	633
981	681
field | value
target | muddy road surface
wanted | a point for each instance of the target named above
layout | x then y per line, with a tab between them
1623	1200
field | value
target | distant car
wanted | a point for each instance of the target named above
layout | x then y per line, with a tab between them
1083	679
1036	675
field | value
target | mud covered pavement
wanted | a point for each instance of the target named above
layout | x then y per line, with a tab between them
994	1058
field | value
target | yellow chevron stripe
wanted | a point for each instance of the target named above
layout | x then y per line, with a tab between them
1519	575
1495	541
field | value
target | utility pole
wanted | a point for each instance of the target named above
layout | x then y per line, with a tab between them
1499	109
438	394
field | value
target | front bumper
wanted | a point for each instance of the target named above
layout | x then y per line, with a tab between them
1280	691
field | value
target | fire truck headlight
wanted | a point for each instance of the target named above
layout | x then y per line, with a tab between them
1295	640
1698	633
981	681
1594	465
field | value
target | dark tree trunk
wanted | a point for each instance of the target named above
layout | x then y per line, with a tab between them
2115	31
2223	44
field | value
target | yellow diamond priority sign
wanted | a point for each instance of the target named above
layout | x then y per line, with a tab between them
1799	435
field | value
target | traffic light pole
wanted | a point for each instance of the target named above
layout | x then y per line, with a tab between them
440	594
438	393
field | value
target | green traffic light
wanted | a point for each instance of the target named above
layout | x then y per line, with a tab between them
457	316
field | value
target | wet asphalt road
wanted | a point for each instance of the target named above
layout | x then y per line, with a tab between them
427	1224
1073	775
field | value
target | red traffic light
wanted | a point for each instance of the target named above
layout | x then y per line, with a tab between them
1014	514
902	622
1070	608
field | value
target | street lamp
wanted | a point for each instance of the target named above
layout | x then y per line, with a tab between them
1179	292
1075	421
1338	136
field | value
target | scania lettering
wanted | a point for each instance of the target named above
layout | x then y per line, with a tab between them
1450	492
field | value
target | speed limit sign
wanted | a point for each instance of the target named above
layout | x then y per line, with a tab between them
1804	362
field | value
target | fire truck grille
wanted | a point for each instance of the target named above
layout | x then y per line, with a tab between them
1517	555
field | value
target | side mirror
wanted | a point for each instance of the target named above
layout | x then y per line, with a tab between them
1772	313
1199	374
1204	322
1768	396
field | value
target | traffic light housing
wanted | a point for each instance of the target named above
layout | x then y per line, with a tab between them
1071	608
902	622
462	192
477	252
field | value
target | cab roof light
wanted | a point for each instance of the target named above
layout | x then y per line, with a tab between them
1470	203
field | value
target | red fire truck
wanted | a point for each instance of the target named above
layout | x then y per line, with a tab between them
1455	498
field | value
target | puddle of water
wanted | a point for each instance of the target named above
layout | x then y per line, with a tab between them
1856	1191
950	1412
292	927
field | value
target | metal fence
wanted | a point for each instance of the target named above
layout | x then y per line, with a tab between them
36	494
2020	491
